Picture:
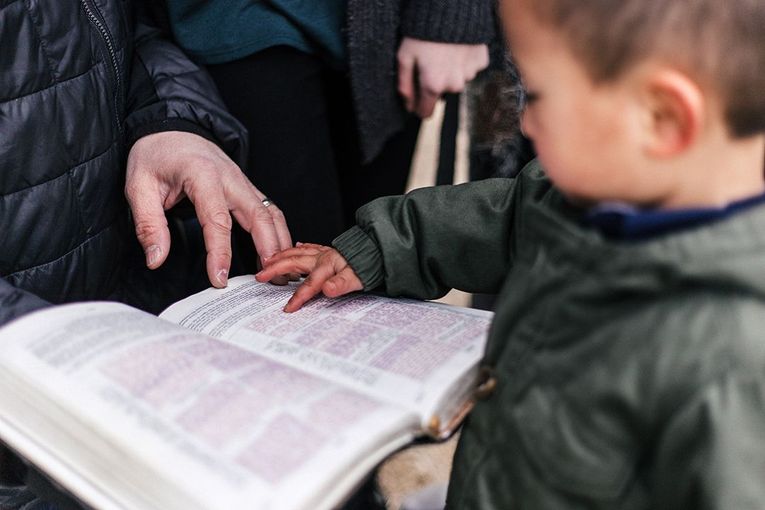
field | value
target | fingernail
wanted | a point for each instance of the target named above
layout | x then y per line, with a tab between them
153	253
298	243
222	277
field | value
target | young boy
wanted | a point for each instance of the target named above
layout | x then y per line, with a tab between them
628	346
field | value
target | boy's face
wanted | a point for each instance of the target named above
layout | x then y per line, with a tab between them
583	132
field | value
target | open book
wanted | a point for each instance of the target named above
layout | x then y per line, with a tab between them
227	402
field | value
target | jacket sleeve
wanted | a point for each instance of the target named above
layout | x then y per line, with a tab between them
451	21
712	454
167	91
434	239
15	302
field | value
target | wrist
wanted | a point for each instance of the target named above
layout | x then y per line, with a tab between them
363	256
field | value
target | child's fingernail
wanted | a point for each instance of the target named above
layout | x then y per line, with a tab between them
298	243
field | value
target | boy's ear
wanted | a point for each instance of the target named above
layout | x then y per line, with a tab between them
676	113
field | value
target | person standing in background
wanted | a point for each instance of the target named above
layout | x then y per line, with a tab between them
332	92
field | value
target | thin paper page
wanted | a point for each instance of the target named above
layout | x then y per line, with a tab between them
408	350
228	426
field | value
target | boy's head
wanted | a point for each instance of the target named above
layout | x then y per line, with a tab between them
628	97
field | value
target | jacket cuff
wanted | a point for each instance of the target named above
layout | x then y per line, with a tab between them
363	256
169	125
450	21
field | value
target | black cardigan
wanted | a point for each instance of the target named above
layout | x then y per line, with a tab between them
375	28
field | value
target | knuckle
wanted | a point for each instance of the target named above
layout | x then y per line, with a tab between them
295	261
276	213
231	174
222	253
221	220
305	291
262	214
131	189
146	229
432	89
456	85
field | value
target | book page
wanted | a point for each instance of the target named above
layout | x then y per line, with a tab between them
409	351
180	419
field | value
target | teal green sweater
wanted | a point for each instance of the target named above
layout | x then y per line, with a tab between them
213	32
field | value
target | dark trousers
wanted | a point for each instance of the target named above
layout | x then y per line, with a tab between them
304	151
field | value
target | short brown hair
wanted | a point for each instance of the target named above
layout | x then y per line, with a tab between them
721	43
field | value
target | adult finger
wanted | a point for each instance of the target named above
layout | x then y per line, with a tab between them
426	102
482	62
245	202
268	231
146	206
283	237
214	217
406	80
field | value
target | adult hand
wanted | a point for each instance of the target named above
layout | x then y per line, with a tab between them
427	70
328	272
163	168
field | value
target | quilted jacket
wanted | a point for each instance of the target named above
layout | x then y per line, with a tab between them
80	80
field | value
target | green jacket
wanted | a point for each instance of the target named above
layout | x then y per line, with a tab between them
629	375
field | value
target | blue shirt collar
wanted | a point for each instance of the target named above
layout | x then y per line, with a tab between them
626	222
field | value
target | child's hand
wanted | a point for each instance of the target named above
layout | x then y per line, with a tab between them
327	270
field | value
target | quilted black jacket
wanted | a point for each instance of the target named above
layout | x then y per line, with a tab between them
80	80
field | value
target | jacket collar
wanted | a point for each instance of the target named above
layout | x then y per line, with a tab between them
728	252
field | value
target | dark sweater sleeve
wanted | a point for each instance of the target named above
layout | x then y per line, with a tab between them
434	239
168	92
451	21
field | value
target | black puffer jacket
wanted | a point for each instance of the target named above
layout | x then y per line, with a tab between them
80	80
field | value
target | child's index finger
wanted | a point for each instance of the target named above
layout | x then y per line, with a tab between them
311	286
305	291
